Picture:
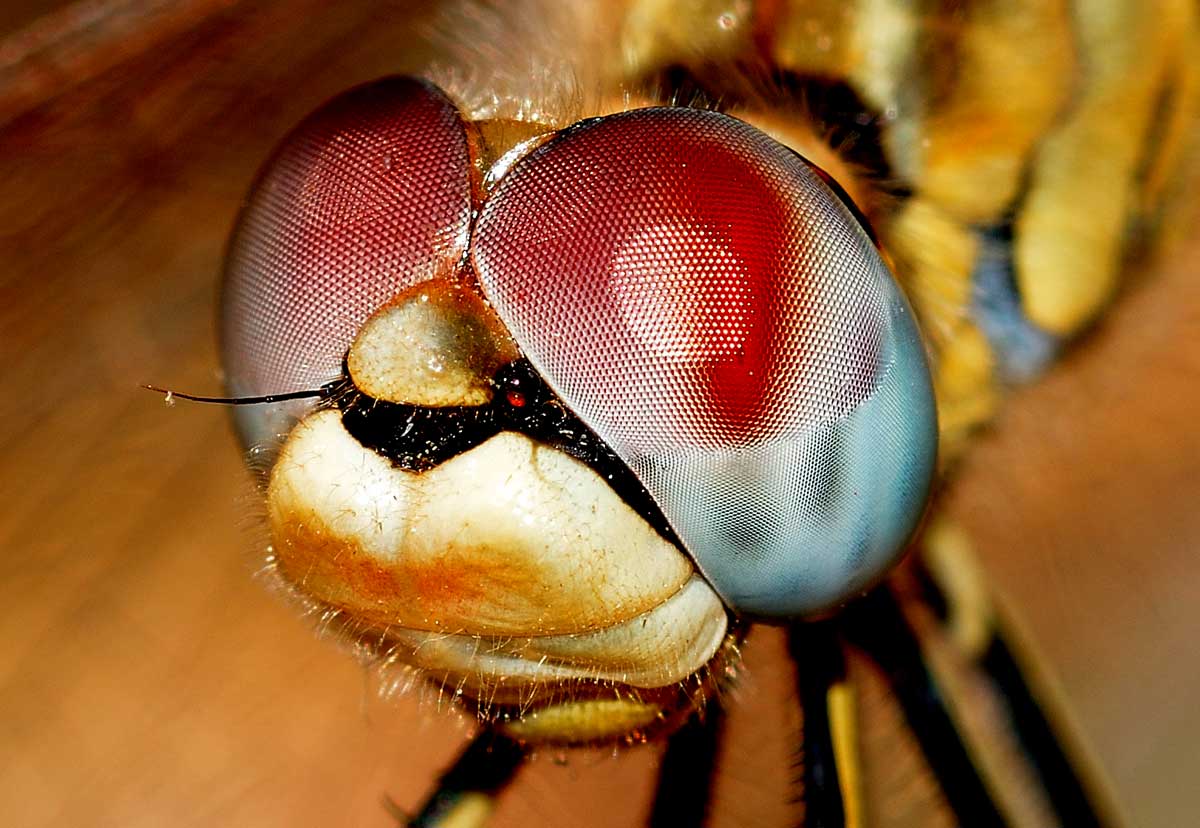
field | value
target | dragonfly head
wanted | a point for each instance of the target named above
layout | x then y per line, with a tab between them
652	378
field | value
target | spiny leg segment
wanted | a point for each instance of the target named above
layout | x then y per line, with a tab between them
876	625
829	751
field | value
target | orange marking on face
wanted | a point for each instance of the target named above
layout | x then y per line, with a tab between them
462	590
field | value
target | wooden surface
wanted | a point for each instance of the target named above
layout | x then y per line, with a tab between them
147	679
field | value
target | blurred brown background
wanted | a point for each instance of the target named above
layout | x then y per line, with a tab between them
147	679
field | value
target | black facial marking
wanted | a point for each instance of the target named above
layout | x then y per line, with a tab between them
418	438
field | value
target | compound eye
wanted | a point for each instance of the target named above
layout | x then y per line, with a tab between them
713	310
367	196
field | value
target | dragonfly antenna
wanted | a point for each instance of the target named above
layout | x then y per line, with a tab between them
266	398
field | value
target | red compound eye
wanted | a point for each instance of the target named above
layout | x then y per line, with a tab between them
370	194
666	270
702	300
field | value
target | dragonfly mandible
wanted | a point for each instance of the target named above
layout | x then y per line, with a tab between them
600	375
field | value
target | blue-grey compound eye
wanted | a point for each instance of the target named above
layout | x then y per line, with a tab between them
706	304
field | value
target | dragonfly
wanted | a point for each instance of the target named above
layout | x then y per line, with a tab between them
560	380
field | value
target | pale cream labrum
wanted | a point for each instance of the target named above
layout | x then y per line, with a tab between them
511	540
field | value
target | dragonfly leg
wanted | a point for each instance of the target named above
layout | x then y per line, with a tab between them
832	772
466	792
688	769
988	635
876	625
